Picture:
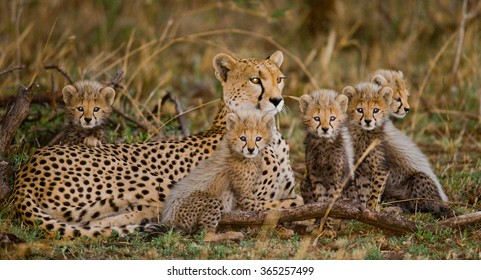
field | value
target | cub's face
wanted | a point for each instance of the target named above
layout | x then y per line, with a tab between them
323	112
369	105
395	80
248	133
88	104
251	84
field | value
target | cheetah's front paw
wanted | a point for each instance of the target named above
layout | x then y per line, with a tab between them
93	142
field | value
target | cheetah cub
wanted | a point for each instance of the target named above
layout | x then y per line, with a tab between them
224	181
328	146
395	166
88	106
395	80
368	111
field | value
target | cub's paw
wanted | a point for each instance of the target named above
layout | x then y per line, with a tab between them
92	142
230	235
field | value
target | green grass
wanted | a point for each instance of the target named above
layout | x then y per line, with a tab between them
95	38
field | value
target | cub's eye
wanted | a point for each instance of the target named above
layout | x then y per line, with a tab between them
80	109
258	138
332	118
317	119
360	110
243	138
399	99
375	111
255	80
280	79
96	109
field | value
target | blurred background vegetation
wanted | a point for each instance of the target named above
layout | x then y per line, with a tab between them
169	45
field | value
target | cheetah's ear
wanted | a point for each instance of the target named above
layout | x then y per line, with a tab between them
342	100
277	58
69	93
379	80
268	120
223	63
349	91
401	74
386	93
304	102
108	94
231	121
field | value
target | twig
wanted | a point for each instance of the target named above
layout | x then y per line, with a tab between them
129	118
178	109
11	69
65	74
117	80
468	219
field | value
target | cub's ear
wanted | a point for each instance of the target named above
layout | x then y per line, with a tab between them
69	93
401	74
304	102
223	63
277	58
379	80
349	91
231	121
108	94
342	100
268	120
386	93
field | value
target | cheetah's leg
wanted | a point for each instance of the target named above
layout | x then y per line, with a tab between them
379	180
92	141
137	214
423	195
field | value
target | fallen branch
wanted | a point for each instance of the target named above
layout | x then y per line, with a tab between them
344	210
8	127
340	209
463	220
15	116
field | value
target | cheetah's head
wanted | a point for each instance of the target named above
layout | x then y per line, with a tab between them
369	104
251	83
395	80
323	112
249	132
88	104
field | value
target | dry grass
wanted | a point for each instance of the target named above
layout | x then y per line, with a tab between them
170	46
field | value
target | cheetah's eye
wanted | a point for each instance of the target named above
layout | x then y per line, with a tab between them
360	110
80	109
375	111
243	138
96	109
399	99
317	119
280	79
258	138
333	118
255	80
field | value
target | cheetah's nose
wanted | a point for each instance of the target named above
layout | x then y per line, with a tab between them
367	121
325	129
275	101
87	120
251	150
407	109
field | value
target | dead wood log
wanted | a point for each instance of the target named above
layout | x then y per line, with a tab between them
9	125
340	209
463	220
